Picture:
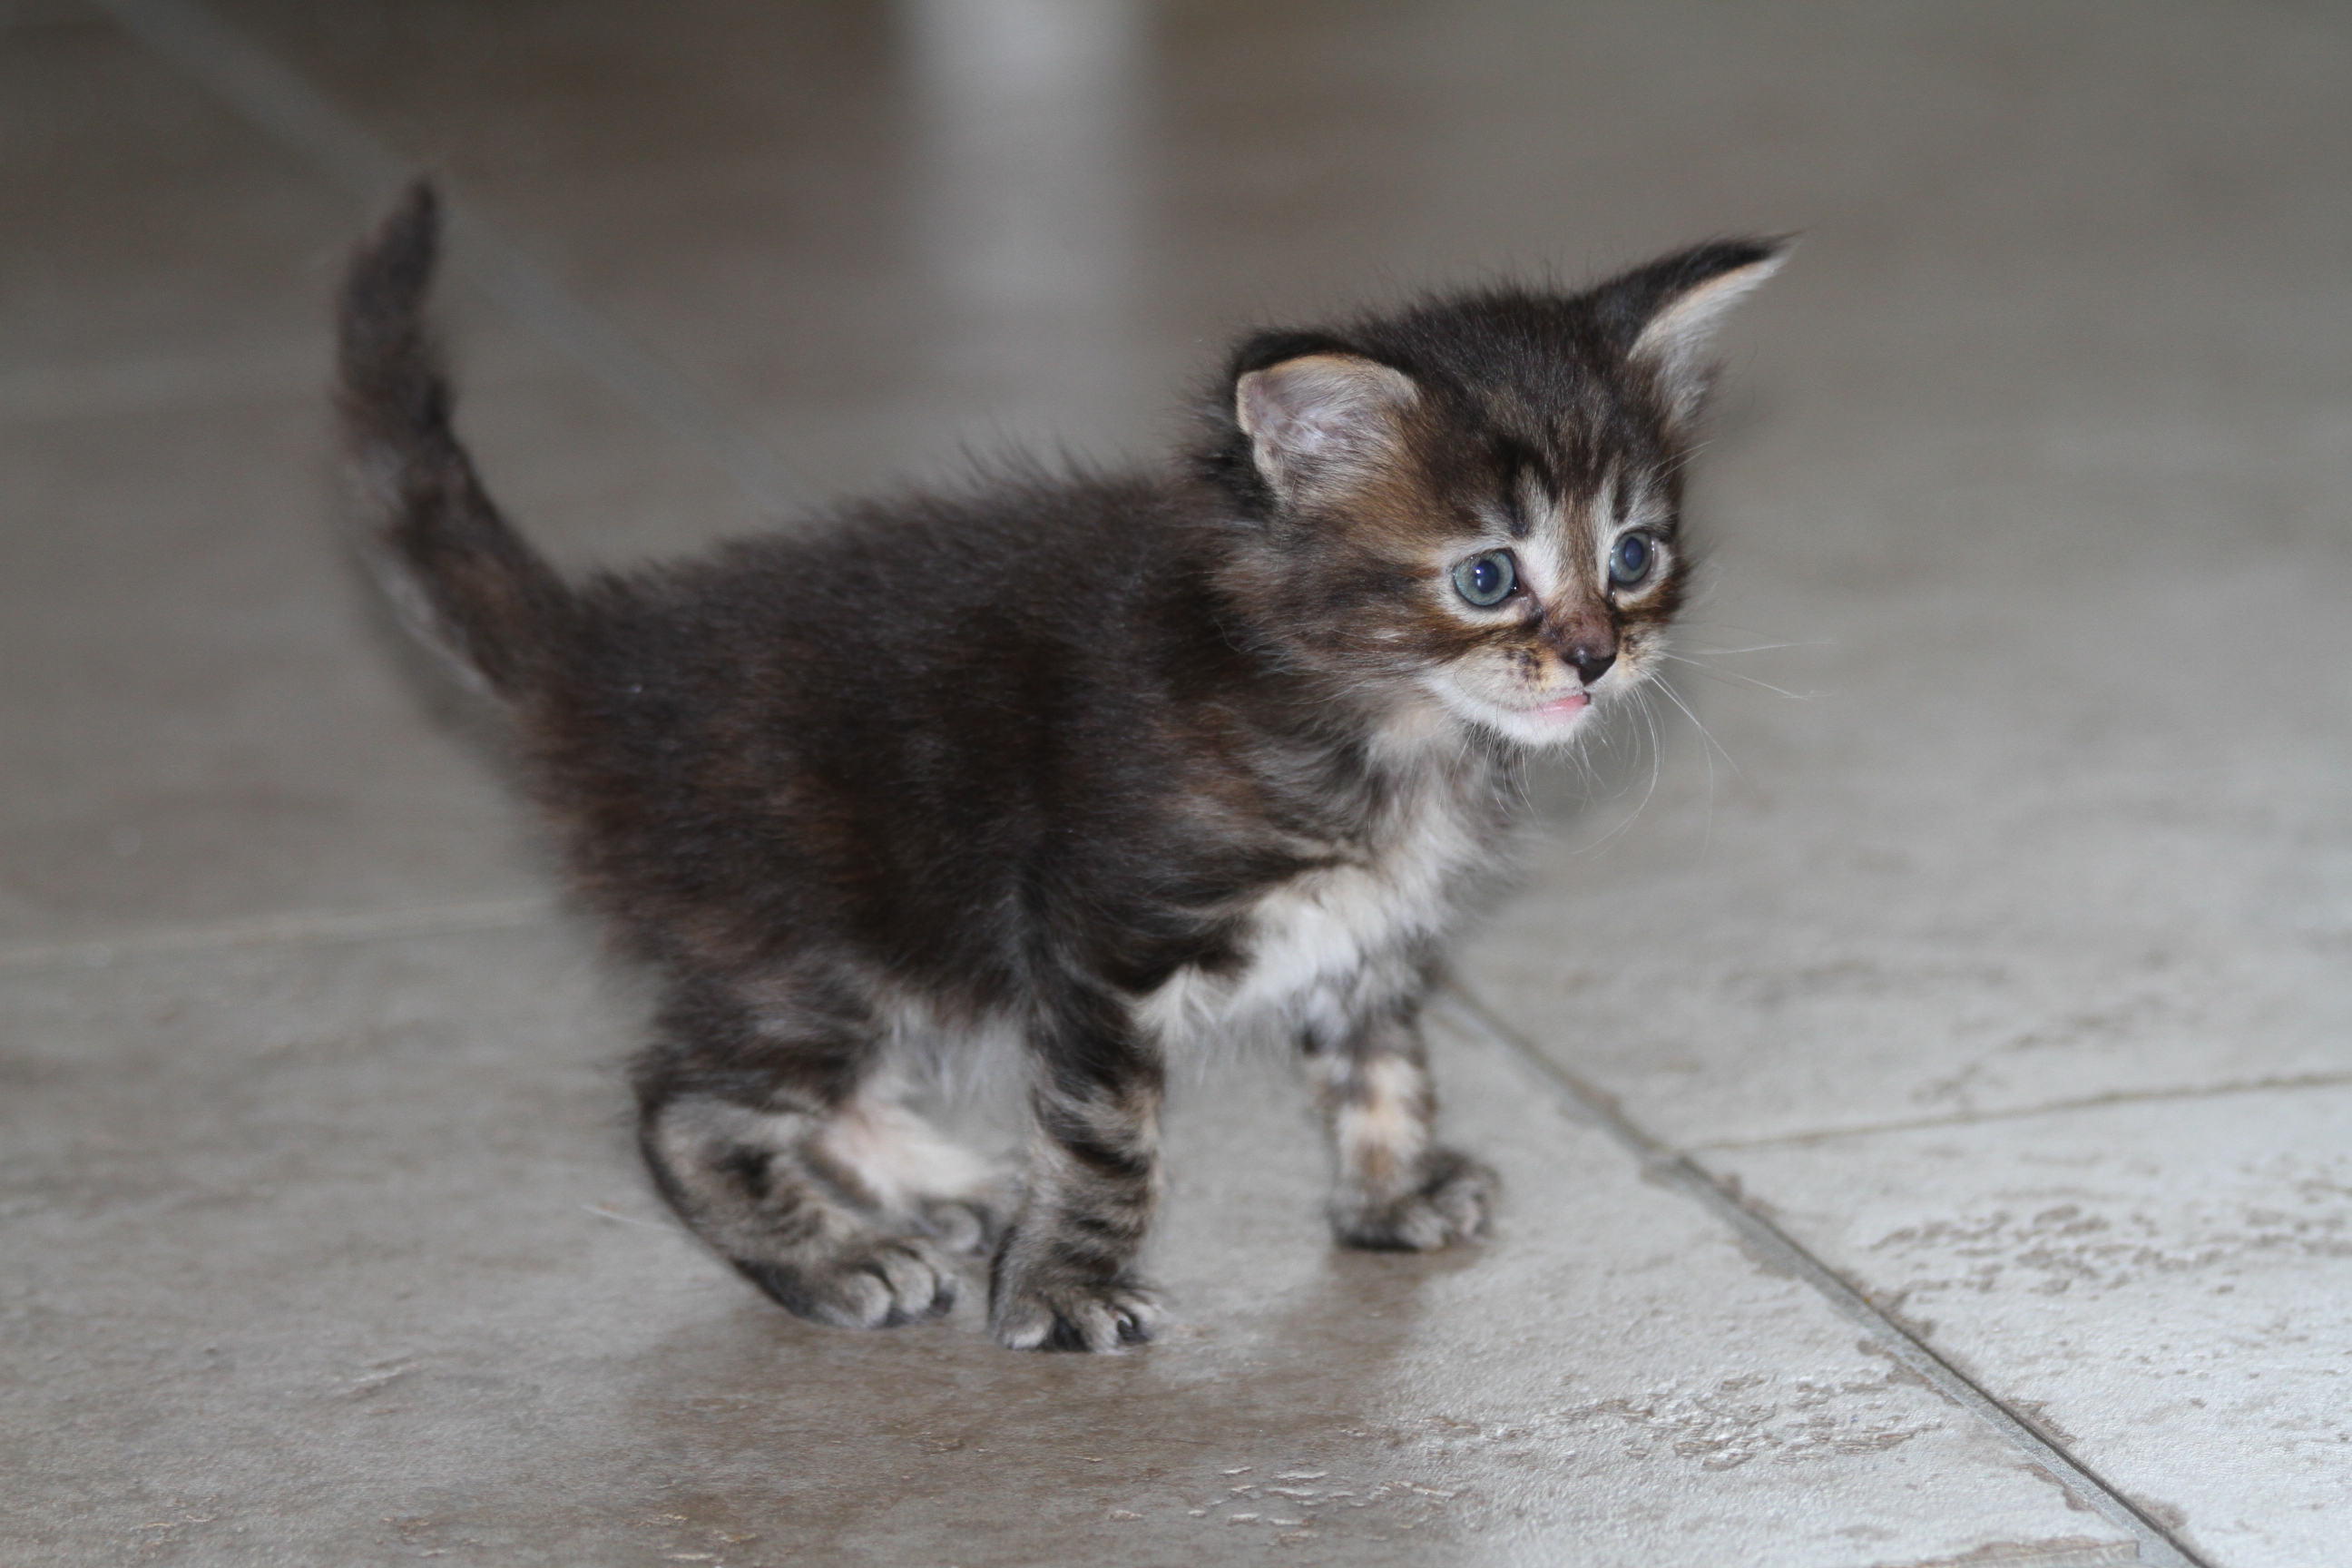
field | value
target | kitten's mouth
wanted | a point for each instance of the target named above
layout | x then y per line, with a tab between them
1562	710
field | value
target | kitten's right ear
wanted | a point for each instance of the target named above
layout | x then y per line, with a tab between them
1668	312
1321	424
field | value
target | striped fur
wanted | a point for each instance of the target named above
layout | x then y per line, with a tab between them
1105	771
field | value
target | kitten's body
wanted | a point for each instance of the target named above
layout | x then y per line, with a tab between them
1123	769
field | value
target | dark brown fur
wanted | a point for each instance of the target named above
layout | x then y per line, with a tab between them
1076	760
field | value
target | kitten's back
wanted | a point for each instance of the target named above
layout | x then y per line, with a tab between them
1014	698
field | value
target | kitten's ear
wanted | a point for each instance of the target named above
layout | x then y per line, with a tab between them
1670	309
1321	422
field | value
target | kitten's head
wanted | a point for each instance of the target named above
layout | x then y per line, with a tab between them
1478	499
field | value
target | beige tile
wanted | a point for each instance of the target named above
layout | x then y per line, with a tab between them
761	197
2043	441
208	719
209	716
2008	850
816	209
149	231
2022	839
1998	856
2163	1287
1787	957
312	1256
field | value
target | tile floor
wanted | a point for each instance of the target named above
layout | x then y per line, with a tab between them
1926	1102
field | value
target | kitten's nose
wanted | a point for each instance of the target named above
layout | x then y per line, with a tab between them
1585	638
1591	663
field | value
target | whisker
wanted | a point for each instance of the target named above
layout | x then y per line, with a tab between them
1734	674
1520	781
1624	736
1584	766
1683	461
1657	755
1765	648
1707	751
1649	719
1692	624
1675	697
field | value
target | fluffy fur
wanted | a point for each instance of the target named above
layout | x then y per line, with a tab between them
1123	767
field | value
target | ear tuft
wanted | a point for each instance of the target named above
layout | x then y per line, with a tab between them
1319	419
1679	302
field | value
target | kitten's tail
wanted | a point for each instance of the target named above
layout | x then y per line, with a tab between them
457	571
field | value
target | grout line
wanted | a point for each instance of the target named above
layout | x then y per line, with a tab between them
2051	1108
254	84
1781	1251
268	930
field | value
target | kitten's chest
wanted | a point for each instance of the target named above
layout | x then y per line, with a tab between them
1320	947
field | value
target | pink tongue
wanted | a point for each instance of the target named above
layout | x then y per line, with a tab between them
1565	708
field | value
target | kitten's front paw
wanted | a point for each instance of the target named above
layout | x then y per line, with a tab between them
1452	1205
879	1286
1073	1314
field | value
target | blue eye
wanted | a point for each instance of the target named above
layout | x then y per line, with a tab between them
1486	580
1631	560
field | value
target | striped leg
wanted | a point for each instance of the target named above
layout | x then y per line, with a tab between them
1064	1279
1396	1189
764	1130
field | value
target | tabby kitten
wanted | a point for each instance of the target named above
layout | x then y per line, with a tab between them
1117	767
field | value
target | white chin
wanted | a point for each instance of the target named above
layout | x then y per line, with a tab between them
1553	725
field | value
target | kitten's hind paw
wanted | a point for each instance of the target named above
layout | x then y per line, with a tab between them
1074	1315
1452	1205
876	1287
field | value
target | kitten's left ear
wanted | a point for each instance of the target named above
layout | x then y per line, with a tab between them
1321	423
1669	310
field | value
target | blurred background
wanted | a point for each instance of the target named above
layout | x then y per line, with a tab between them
1977	912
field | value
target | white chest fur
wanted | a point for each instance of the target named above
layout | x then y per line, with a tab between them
1330	944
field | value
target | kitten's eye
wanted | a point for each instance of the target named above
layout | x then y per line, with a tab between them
1486	580
1631	560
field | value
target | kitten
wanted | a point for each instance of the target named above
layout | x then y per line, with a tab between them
1119	768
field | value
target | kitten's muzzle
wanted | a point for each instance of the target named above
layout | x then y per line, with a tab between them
1586	641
